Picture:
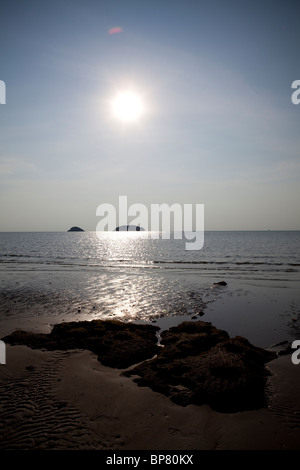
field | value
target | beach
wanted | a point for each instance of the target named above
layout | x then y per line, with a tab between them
67	400
60	394
149	230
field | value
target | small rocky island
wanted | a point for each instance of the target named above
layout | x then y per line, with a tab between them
129	228
76	229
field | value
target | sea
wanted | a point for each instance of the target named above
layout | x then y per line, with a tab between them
53	277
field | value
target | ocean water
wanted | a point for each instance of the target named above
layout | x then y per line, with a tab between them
48	277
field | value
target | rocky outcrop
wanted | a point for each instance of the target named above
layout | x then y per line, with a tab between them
116	344
196	363
75	229
200	364
220	283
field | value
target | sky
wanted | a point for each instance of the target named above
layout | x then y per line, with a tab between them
219	127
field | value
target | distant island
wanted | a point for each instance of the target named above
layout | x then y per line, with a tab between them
129	228
75	229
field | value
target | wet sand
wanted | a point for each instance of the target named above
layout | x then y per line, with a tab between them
69	400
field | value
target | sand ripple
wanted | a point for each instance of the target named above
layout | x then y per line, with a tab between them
31	416
283	393
287	411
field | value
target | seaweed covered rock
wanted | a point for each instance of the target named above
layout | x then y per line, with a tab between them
200	364
197	363
116	344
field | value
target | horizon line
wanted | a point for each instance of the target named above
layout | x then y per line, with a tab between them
145	231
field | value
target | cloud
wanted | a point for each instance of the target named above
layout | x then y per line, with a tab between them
115	30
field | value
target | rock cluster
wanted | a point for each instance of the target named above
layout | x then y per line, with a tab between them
116	344
201	364
196	363
129	228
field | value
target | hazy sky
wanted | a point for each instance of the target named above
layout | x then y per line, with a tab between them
219	126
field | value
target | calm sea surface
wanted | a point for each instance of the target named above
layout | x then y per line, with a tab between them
52	277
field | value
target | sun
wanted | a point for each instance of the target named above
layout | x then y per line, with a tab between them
128	106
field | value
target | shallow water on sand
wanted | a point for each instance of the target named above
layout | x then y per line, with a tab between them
51	277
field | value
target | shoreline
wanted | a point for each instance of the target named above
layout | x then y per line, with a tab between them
260	311
69	400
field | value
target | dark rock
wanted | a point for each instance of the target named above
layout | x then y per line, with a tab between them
129	228
200	364
116	344
282	348
220	283
191	339
197	363
75	229
286	350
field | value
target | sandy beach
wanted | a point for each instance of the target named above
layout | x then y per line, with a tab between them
68	400
149	230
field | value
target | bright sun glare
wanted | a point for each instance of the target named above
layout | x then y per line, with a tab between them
128	106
